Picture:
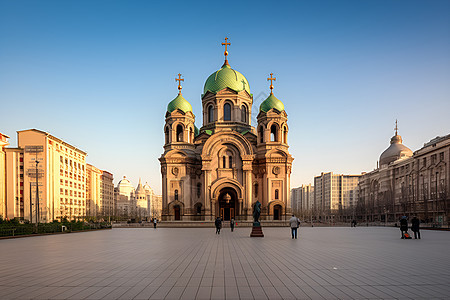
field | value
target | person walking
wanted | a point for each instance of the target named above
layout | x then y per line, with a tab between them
232	224
154	223
295	223
404	226
415	227
218	224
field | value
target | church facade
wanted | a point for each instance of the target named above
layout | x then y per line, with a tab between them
227	165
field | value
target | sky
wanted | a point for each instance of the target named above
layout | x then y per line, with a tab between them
99	74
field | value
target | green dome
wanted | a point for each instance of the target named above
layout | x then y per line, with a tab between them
226	77
271	102
179	103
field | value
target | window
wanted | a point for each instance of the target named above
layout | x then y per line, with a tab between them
285	134
176	195
261	134
256	190
230	161
441	156
199	190
224	162
276	195
191	135
210	114
244	114
179	133
166	133
273	133
227	112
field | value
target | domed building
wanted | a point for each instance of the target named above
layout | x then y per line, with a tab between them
395	151
227	165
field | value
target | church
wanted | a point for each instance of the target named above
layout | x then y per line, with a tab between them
223	168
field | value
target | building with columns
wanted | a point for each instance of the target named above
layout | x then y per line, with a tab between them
408	183
227	165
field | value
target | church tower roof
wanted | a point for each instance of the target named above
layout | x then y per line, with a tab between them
179	102
226	77
271	101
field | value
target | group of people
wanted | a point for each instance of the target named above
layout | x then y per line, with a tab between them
415	227
218	224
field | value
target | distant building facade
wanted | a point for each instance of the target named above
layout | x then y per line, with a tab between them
140	203
99	192
335	194
407	183
302	199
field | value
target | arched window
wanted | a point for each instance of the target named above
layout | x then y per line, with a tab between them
261	134
285	134
179	133
273	133
227	112
230	162
191	135
166	132
224	162
244	113
276	195
199	190
210	114
176	195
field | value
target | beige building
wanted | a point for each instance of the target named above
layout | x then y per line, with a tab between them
107	194
49	172
99	192
3	144
227	165
407	183
335	194
302	199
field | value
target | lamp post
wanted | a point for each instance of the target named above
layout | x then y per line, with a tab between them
38	216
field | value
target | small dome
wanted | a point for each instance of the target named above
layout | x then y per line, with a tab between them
124	182
395	151
179	103
226	77
271	102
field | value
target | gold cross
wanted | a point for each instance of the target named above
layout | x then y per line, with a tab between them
271	78
396	127
179	83
226	44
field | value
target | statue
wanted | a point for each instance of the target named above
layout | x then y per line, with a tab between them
256	212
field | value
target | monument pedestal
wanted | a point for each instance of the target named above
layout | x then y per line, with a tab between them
256	230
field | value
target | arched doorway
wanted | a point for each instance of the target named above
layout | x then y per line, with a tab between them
277	212
228	204
176	211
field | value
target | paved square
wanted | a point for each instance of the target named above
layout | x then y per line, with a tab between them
169	263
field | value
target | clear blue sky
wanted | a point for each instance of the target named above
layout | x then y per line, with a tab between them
99	74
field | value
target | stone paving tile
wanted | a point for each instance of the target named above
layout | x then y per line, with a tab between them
324	263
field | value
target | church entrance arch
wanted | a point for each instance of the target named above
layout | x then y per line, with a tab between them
277	212
228	204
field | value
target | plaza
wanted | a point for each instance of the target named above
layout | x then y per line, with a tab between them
195	263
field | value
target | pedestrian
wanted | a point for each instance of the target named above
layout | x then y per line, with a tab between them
218	224
232	224
404	226
295	223
415	227
154	223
